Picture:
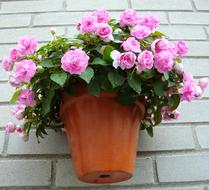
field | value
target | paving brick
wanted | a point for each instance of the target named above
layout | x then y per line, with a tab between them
2	134
193	112
14	20
161	5
189	18
183	168
6	93
53	143
167	138
93	5
25	173
4	51
202	5
207	28
30	6
197	66
65	175
184	32
46	19
42	34
202	135
199	49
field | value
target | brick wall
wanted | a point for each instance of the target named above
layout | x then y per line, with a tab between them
177	158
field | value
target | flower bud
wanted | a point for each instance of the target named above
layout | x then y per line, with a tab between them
10	127
179	68
203	83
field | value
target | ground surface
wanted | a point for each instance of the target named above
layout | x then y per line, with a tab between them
177	158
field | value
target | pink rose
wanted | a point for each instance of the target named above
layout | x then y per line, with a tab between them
188	91
180	49
101	15
19	129
140	32
7	64
13	81
160	45
145	60
164	61
198	92
27	45
87	24
15	54
168	114
131	44
203	83
10	127
187	77
179	68
128	18
150	21
104	31
25	70
27	97
75	61
123	60
18	111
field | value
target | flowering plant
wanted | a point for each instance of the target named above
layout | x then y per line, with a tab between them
126	56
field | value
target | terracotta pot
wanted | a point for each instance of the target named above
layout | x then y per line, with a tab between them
103	136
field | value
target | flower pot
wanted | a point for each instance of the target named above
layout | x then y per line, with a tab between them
103	136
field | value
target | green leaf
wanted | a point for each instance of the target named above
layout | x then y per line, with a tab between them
115	79
126	99
135	82
147	74
158	88
87	75
15	96
166	76
158	34
47	100
99	61
106	85
94	88
150	131
171	83
174	101
106	54
157	117
48	64
60	78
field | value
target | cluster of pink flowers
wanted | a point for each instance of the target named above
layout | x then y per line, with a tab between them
97	23
24	70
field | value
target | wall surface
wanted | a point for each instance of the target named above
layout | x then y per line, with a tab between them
177	158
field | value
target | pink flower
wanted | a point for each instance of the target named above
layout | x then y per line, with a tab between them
13	81
27	45
180	49
101	15
179	68
163	61
25	70
198	92
75	61
18	111
187	77
87	24
27	97
10	127
150	21
15	54
168	114
19	129
104	31
159	45
203	83
7	64
131	44
145	60
187	91
123	60
140	32
128	18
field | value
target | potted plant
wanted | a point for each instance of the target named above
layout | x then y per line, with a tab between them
114	78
